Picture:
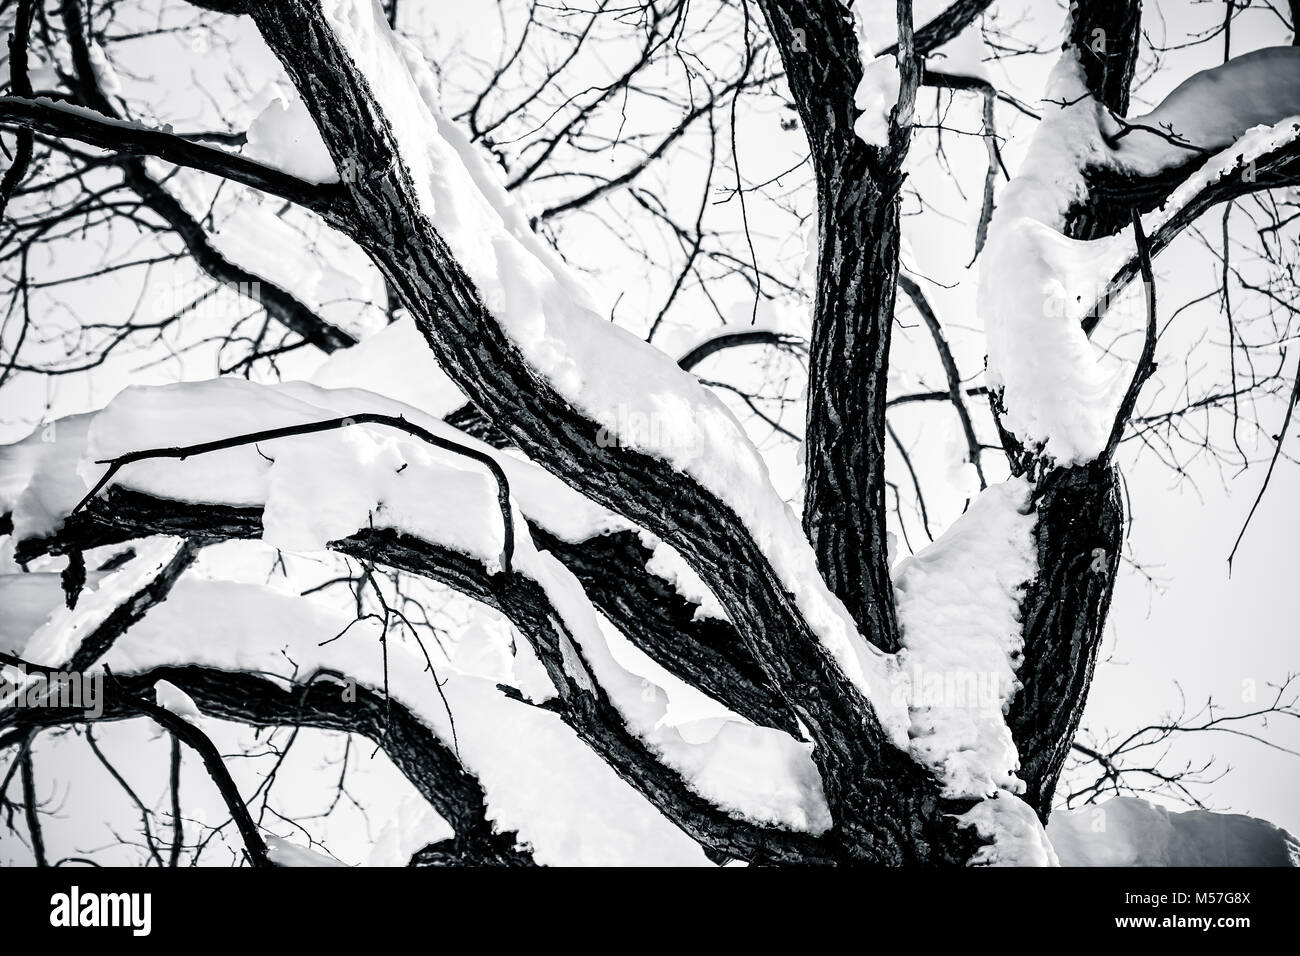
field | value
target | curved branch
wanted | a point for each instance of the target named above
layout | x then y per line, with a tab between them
1274	169
946	26
313	428
20	83
956	392
279	303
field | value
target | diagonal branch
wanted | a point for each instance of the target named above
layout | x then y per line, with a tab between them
278	302
384	216
94	129
956	390
191	736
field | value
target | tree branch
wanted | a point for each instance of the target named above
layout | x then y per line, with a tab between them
86	126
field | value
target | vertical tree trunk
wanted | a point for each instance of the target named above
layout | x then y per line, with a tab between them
1080	526
844	503
1079	534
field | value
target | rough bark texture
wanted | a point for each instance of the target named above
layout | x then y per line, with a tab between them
707	653
121	515
766	663
1079	533
858	208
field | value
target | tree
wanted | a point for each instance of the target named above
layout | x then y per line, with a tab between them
593	486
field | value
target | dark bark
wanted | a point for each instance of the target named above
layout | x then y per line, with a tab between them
46	117
1106	34
1111	198
1079	534
858	191
708	654
1080	513
280	304
127	701
119	515
472	422
95	644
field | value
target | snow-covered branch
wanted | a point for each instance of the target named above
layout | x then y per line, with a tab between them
94	129
1051	256
237	489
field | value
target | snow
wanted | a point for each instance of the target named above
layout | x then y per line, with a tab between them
1107	256
172	698
284	853
877	92
412	827
1017	838
1036	284
284	136
59	637
278	244
875	98
599	368
756	772
38	476
540	779
317	487
959	610
109	82
1253	144
1056	394
876	25
394	362
1127	831
28	600
314	489
1212	109
667	564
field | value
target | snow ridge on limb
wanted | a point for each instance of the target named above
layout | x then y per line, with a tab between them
1055	396
534	772
959	610
67	637
1129	831
1262	153
42	480
877	92
1038	287
1209	111
601	548
804	640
